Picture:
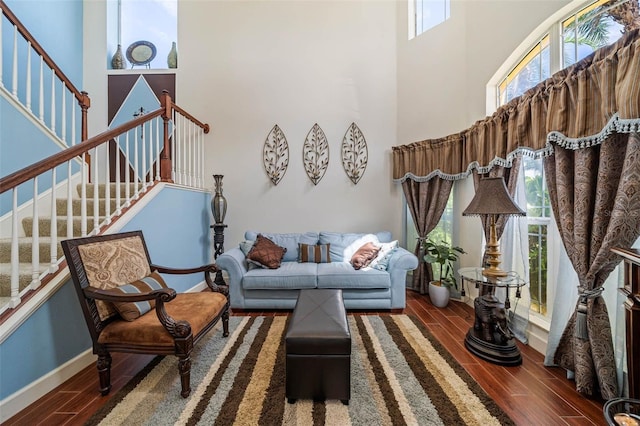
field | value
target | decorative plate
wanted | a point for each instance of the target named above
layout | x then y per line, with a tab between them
141	52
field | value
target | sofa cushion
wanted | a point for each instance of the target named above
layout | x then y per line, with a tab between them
266	253
342	275
317	253
288	241
343	245
364	255
290	275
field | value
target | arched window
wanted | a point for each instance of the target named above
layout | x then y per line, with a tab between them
573	37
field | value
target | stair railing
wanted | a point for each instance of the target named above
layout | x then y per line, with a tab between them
41	88
163	145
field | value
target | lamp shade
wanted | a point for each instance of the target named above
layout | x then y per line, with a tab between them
492	197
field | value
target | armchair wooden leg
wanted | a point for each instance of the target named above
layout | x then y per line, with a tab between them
225	323
184	367
104	372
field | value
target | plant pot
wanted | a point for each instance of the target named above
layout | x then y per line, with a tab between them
438	294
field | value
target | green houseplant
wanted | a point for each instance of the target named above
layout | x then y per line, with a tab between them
441	255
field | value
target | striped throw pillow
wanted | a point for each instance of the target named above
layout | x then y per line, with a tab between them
130	311
318	253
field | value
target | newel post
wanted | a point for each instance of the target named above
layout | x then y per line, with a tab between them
85	104
165	159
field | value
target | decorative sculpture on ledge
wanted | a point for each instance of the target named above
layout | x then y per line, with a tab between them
275	155
354	153
315	154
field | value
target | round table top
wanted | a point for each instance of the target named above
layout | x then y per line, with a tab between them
512	280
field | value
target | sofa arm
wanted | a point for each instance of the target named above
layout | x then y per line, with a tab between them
233	261
401	261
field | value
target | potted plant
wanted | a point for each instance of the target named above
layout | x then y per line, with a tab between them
441	255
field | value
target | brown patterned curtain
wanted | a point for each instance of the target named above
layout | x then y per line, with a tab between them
426	202
596	96
595	196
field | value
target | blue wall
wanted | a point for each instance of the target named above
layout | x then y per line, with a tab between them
176	228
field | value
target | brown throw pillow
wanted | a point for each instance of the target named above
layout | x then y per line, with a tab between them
318	253
132	310
364	255
265	253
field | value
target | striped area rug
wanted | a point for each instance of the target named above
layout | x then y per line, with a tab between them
399	375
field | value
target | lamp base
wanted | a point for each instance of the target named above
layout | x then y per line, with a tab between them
506	354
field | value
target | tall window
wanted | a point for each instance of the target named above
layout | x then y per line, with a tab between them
443	230
581	33
426	14
144	29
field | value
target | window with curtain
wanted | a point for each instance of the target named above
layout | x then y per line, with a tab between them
443	230
426	14
580	33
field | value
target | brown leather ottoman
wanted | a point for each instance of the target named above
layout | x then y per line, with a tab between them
318	348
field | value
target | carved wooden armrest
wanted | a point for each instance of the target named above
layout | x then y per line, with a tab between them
162	295
210	269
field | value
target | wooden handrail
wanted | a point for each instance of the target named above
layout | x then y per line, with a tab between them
29	172
38	48
202	125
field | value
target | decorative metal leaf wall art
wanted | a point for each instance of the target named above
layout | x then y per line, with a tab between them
275	155
315	154
355	154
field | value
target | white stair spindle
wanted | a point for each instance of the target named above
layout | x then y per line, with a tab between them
107	186
96	190
135	164
174	153
117	177
83	197
150	142
158	136
41	94
201	159
28	82
63	115
74	109
15	257
1	44
52	125
14	69
69	201
143	157
54	225
127	170
35	240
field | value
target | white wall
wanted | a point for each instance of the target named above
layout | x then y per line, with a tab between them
247	65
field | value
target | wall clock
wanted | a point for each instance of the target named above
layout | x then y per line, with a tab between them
141	53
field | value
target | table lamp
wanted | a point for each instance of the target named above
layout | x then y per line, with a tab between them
493	199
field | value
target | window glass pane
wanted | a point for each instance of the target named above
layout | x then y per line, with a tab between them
588	30
538	204
531	70
154	21
538	267
429	13
444	230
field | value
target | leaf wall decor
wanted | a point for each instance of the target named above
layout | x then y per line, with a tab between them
315	154
275	155
355	154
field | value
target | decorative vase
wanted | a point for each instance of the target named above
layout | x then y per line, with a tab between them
172	58
218	202
117	60
439	294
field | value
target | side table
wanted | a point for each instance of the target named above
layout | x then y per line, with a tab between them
218	248
490	337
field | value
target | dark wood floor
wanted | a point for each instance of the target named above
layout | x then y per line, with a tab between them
531	393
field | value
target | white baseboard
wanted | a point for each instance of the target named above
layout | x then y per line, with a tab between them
26	396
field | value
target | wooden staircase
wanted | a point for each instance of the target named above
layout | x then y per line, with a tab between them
25	242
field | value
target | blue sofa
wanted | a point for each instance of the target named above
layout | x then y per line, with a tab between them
380	287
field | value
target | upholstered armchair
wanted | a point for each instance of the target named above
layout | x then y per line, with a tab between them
128	307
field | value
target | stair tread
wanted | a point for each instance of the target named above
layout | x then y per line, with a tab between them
23	268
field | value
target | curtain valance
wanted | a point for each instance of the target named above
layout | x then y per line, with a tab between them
575	108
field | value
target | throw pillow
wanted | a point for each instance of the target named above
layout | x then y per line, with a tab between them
381	262
318	253
265	253
130	311
246	246
364	255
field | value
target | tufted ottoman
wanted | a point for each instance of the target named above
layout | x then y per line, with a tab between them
318	348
